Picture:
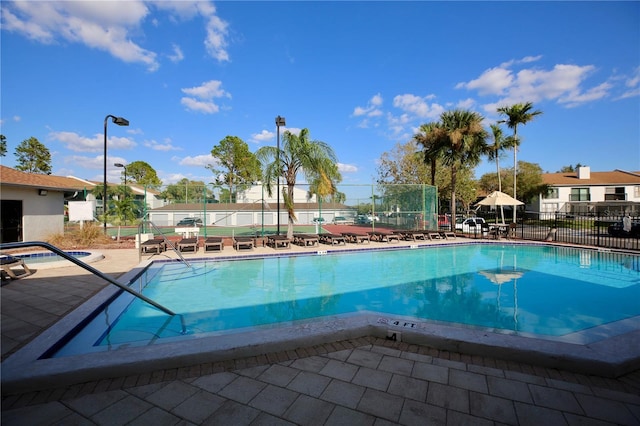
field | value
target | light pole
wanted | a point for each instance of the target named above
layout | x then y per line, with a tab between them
125	173
120	121
279	122
124	194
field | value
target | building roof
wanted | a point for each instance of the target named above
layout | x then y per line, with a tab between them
249	207
616	177
13	177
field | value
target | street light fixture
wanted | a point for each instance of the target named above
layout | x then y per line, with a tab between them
125	172
279	122
120	121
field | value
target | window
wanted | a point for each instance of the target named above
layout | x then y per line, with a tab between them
615	194
580	194
636	191
552	193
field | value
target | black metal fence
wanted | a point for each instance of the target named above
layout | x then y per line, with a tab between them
599	231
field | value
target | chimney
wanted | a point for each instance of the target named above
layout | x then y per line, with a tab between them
584	172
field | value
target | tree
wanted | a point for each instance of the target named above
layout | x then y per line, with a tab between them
240	167
569	168
33	157
143	174
299	154
530	183
517	114
461	141
428	139
402	165
186	191
3	146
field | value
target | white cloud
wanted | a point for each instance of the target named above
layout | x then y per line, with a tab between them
207	90
468	103
417	106
157	146
564	84
110	27
216	29
493	81
263	136
177	55
75	142
201	97
347	168
200	106
196	161
372	108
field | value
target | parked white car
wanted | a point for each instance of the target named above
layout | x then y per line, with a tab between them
470	224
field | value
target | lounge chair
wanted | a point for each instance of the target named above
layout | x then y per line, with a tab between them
157	245
384	236
240	243
333	239
278	242
448	234
306	240
434	235
354	237
213	244
188	244
411	234
7	262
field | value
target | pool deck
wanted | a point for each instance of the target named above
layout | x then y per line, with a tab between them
353	380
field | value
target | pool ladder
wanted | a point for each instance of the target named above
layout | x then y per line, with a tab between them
141	228
94	271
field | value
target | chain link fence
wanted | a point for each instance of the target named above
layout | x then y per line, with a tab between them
215	210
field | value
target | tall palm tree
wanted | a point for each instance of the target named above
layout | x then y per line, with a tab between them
500	143
299	154
461	140
517	114
428	139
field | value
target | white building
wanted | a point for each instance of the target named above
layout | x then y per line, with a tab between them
587	193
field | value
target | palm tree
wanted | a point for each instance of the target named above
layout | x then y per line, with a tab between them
298	153
461	140
500	143
428	139
517	114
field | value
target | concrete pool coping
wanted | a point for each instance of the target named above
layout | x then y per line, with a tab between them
93	257
24	371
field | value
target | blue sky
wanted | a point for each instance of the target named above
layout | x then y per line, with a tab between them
361	76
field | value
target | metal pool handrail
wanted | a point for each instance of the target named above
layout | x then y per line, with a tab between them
164	237
22	244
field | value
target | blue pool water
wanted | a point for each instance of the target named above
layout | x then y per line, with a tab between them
48	257
539	290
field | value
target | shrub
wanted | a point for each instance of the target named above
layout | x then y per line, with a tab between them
89	235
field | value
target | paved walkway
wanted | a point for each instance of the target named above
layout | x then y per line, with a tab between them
365	381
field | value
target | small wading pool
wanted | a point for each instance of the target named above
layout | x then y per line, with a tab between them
545	292
46	260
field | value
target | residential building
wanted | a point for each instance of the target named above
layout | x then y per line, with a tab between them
32	205
587	193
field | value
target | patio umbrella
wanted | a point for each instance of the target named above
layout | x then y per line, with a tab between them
497	198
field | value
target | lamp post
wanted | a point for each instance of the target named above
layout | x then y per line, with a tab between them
124	195
120	121
125	173
279	122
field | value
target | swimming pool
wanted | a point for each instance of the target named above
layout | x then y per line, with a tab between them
545	292
609	349
47	260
